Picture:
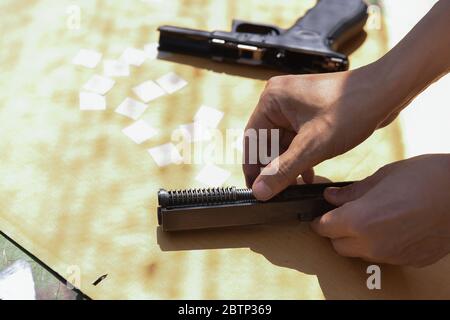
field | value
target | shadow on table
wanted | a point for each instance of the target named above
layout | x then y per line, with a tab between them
293	246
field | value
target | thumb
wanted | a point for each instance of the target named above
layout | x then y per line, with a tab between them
282	172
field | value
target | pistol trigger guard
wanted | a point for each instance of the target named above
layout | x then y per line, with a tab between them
241	26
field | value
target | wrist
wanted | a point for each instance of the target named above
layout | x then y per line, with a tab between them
401	79
396	83
382	99
417	61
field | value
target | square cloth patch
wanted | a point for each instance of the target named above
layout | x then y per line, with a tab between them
151	50
140	131
171	82
115	68
148	91
165	155
213	176
87	58
92	101
134	57
208	117
131	108
98	84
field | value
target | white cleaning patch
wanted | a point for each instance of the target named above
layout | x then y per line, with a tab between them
151	50
148	91
87	58
92	101
195	132
208	117
140	131
131	108
171	82
133	57
115	68
213	176
16	282
165	155
98	84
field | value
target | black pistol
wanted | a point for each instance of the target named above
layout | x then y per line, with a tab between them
230	207
307	47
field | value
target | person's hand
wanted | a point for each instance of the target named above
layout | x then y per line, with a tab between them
319	117
400	215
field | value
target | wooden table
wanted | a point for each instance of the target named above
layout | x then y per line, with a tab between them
81	196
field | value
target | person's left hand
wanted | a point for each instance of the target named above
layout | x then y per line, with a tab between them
400	215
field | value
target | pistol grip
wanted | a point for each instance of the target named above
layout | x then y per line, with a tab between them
334	21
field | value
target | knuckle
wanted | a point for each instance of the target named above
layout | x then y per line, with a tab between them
274	91
277	81
284	172
268	98
275	85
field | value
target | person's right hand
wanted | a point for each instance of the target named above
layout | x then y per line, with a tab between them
399	215
319	116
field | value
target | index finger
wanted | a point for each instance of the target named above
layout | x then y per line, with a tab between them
257	121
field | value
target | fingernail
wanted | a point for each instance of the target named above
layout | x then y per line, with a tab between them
332	191
262	191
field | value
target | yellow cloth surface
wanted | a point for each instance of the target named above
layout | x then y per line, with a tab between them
81	196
